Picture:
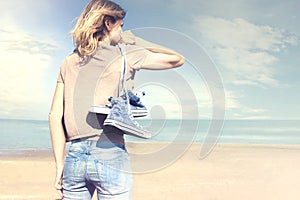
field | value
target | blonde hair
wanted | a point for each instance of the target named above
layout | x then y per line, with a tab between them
90	27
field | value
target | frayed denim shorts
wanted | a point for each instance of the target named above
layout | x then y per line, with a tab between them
97	166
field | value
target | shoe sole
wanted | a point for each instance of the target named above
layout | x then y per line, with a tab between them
100	110
139	113
129	130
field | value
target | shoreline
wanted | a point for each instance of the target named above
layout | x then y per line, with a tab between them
48	152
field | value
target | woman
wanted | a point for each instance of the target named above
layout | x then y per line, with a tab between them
97	158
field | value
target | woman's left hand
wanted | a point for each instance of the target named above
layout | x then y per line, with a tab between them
128	37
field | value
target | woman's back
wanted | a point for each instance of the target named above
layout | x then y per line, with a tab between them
91	81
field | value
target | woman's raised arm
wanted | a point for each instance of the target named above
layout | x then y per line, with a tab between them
159	57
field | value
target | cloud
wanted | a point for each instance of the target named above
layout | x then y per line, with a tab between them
25	65
236	110
247	55
245	50
241	34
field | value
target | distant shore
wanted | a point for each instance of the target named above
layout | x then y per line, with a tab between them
230	172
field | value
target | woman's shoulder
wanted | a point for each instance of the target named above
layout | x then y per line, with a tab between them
135	50
71	59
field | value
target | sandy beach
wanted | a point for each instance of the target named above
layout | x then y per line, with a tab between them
230	172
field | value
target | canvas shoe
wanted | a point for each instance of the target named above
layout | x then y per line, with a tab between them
138	111
121	118
136	106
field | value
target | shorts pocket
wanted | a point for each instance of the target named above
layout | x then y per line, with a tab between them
74	170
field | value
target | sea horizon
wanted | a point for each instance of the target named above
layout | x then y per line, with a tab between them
25	134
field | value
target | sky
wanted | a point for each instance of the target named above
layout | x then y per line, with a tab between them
253	44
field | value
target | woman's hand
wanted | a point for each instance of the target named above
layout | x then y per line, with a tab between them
127	37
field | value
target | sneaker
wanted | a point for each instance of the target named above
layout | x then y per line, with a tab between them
121	118
136	106
137	111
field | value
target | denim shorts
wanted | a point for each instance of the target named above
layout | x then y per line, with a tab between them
93	165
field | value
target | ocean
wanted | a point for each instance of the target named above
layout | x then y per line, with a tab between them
34	135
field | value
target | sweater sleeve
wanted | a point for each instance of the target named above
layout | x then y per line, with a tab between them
61	74
136	56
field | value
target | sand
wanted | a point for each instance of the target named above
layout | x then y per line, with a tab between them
229	172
